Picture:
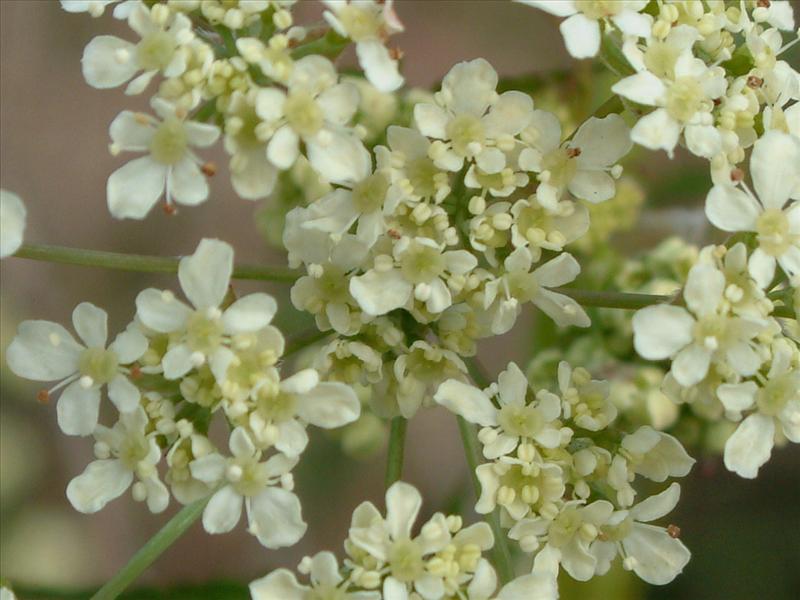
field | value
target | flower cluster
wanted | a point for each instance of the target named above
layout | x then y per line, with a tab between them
168	374
562	479
444	560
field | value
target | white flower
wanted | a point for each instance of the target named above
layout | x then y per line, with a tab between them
777	404
124	451
586	400
539	225
581	30
252	175
775	169
420	371
519	285
109	61
420	270
652	552
170	164
534	586
389	541
282	409
472	119
684	105
326	582
569	536
581	165
694	342
316	110
368	23
12	222
45	351
273	511
516	420
201	334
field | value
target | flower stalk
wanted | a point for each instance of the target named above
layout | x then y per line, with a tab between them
396	452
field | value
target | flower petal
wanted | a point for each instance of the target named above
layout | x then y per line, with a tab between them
123	394
186	183
134	188
329	405
91	323
223	511
43	351
250	313
660	331
731	209
276	519
403	502
750	445
466	401
205	275
101	482
78	409
108	61
161	311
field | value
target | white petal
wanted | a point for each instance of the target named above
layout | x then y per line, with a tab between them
205	275
581	35
509	115
186	183
108	62
558	271
250	313
209	468
761	267
378	292
690	365
592	186
129	132
659	558
12	222
704	288
339	103
602	141
431	120
78	409
283	148
562	309
657	506
731	209
329	405
301	382
134	188
703	140
223	511
292	437
633	23
342	159
467	401
278	585
657	131
201	135
775	168
157	494
276	519
43	351
177	361
91	323
129	346
161	311
269	104
491	160
534	586
254	176
750	445
660	331
379	66
123	394
643	88
512	385
403	502
737	397
240	444
394	590
101	482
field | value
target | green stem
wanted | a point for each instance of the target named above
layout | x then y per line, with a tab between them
500	550
140	262
160	264
394	456
148	553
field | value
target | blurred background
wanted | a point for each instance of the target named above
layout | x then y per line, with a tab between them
744	535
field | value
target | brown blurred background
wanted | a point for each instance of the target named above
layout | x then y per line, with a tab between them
53	138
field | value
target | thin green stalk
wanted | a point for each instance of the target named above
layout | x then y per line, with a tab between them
394	456
148	553
500	551
140	262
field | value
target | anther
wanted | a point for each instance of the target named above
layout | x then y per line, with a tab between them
754	82
43	396
135	372
209	169
573	152
169	209
737	175
674	531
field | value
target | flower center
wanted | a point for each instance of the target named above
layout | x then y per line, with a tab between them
711	331
466	133
564	527
421	263
247	476
774	396
522	286
405	561
303	113
422	175
369	194
524	421
560	166
597	9
360	23
155	51
276	405
169	142
332	285
617	533
684	98
773	231
98	363
133	450
203	332
531	484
